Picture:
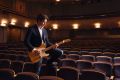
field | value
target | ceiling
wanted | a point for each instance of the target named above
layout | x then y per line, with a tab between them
67	1
65	17
53	0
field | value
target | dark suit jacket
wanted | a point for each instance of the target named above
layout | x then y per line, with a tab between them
33	38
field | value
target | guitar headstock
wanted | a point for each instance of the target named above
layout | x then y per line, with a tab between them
66	40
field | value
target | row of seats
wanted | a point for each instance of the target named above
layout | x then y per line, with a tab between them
106	68
110	54
19	66
15	57
64	73
22	52
9	74
94	43
91	58
95	53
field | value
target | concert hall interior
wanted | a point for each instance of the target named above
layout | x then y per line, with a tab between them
87	31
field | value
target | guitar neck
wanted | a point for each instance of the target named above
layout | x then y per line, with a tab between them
48	48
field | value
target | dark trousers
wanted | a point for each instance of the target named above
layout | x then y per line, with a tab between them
54	54
37	66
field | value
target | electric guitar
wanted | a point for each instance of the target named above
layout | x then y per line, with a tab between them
35	56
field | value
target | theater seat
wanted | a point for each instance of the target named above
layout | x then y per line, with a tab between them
104	67
50	78
117	71
87	57
92	75
68	73
26	76
7	74
68	63
5	63
17	66
104	59
73	56
83	64
28	67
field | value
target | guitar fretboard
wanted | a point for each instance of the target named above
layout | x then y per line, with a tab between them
64	41
46	49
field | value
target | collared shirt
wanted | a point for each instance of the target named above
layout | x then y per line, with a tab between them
40	31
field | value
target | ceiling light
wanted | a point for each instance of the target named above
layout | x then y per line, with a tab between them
55	26
4	22
27	24
75	26
57	0
13	21
118	23
97	25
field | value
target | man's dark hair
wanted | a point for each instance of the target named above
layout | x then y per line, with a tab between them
41	17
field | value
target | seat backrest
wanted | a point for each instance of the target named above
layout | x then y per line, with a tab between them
73	56
43	70
117	70
95	53
17	66
28	67
6	74
68	73
48	70
21	58
68	63
91	75
50	78
83	64
104	67
116	60
87	57
5	63
12	57
26	76
63	56
104	59
110	54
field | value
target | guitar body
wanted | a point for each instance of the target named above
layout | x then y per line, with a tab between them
35	57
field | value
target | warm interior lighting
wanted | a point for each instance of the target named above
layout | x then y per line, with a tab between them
75	26
13	21
118	23
27	24
4	22
57	0
55	26
97	25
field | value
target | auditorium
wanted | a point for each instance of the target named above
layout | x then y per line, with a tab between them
59	39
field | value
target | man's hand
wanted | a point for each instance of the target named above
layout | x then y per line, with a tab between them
56	45
35	51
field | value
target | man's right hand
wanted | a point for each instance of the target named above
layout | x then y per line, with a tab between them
36	51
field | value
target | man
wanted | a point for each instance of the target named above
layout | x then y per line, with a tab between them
36	35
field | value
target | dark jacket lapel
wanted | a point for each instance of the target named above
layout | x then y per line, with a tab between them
37	31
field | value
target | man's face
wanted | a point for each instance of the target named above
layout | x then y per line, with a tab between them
42	23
